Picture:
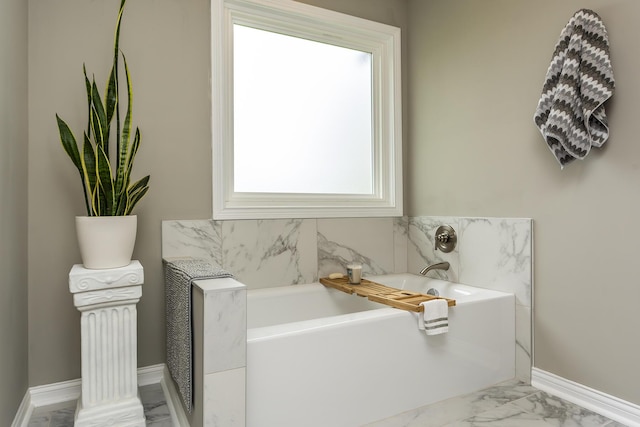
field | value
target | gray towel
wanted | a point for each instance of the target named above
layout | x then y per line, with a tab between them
570	113
179	275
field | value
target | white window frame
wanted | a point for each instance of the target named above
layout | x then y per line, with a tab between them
298	19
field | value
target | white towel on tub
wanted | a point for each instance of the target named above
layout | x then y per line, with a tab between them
435	317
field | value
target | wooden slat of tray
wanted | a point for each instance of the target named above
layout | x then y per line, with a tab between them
363	289
371	288
409	304
397	303
398	298
339	284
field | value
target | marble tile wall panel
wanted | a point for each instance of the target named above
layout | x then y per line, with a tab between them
264	253
492	252
225	330
400	244
523	343
495	253
260	253
421	246
194	238
366	241
224	398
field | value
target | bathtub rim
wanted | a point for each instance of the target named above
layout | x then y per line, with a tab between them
302	326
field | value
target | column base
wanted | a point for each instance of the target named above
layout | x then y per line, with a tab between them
123	413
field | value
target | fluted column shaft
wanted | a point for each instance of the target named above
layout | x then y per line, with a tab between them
108	326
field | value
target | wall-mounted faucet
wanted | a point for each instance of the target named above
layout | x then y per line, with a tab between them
445	238
439	266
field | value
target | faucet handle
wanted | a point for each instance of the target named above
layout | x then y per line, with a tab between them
445	238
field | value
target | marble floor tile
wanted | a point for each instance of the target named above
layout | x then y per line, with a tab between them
62	414
508	404
162	423
39	420
63	417
154	404
508	415
151	393
560	413
53	415
459	408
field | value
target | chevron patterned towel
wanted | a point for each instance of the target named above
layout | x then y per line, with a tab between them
179	274
570	113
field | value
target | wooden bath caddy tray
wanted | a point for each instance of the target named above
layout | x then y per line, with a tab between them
398	298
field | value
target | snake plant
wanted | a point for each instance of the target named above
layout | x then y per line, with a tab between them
106	193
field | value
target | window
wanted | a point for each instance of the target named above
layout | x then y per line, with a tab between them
306	112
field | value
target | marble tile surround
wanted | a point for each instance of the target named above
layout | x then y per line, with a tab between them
494	253
504	405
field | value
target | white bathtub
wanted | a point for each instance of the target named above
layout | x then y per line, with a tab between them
320	357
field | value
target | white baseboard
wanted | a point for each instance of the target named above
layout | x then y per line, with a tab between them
49	394
150	374
45	395
65	391
612	407
174	402
24	412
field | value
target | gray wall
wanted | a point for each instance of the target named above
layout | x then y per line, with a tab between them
13	207
476	72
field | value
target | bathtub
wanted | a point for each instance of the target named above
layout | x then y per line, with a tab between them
318	357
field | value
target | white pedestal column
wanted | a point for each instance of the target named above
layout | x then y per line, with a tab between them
108	326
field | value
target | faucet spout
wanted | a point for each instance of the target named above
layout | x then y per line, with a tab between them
439	266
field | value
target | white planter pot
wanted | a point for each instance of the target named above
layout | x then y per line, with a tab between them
106	241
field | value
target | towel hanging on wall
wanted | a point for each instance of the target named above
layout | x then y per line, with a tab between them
570	113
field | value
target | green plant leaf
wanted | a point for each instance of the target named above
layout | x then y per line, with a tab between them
105	182
134	149
128	150
89	173
87	85
69	143
89	162
123	171
99	120
126	128
114	71
136	192
111	94
71	148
